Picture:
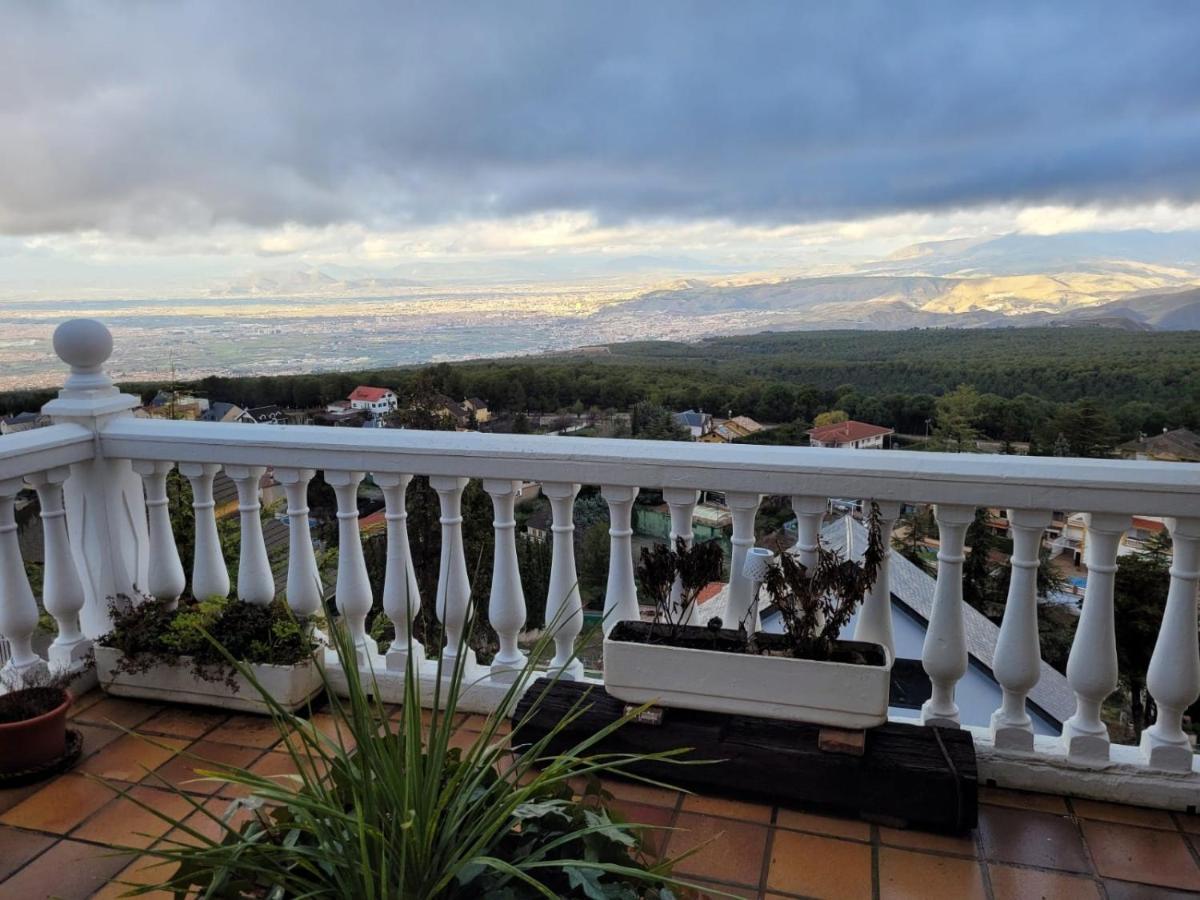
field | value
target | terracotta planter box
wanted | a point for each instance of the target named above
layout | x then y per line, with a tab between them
34	743
837	694
291	686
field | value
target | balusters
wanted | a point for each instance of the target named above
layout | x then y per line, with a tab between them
742	605
353	590
1092	663
682	504
944	654
1018	658
564	608
809	510
62	591
875	617
166	580
506	605
620	596
255	583
401	598
1174	674
18	609
210	577
304	589
454	587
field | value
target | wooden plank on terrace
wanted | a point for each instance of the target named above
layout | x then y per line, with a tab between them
907	776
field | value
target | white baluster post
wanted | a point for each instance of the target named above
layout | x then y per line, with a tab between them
1092	663
810	511
564	607
210	576
1018	659
454	585
1174	674
353	590
304	589
255	582
166	580
18	609
874	623
944	655
620	595
742	605
682	504
401	597
506	605
106	510
62	593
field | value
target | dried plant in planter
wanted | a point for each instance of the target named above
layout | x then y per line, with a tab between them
816	605
661	569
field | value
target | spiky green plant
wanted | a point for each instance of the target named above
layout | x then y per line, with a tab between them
385	809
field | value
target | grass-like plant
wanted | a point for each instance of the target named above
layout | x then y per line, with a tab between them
389	808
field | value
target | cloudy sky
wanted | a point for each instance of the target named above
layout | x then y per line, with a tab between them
158	145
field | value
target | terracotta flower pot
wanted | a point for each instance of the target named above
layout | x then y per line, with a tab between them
32	743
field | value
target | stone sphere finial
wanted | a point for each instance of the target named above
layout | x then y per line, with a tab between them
85	345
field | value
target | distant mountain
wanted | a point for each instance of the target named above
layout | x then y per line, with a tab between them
337	281
1163	311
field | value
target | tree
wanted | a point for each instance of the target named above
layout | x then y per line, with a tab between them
978	572
1140	596
957	415
592	563
1088	430
913	529
652	422
832	417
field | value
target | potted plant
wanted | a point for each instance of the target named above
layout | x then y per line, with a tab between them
157	652
34	740
805	674
406	804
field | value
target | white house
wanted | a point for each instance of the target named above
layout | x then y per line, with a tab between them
850	434
375	400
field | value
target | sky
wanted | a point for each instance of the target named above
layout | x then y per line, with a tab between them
157	147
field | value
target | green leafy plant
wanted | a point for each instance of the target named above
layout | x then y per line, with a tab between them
153	633
401	807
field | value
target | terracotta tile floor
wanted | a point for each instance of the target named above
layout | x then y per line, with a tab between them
55	837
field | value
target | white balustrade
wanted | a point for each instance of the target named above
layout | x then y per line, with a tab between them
353	590
166	580
810	512
682	504
62	592
742	605
944	654
401	596
1174	674
620	595
304	589
506	605
564	607
18	609
255	581
1092	663
210	576
874	623
453	603
1018	659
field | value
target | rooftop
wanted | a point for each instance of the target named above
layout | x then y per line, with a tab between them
56	837
845	432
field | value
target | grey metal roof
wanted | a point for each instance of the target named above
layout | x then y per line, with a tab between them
914	589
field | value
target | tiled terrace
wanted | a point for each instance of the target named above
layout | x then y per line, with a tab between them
54	836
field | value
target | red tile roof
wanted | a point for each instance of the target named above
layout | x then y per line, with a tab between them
846	432
369	394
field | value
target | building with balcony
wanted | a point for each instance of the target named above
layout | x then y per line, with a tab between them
1064	812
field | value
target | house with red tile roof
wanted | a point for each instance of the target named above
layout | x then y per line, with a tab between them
851	434
375	400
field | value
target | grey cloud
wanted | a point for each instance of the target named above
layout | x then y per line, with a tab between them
148	118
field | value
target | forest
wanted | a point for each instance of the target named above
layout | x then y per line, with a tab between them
1028	383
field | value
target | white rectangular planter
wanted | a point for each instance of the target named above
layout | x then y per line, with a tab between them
291	686
841	695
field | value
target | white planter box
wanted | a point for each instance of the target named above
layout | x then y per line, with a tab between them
841	695
291	686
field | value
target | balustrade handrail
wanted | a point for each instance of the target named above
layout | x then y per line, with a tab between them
1078	485
39	449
